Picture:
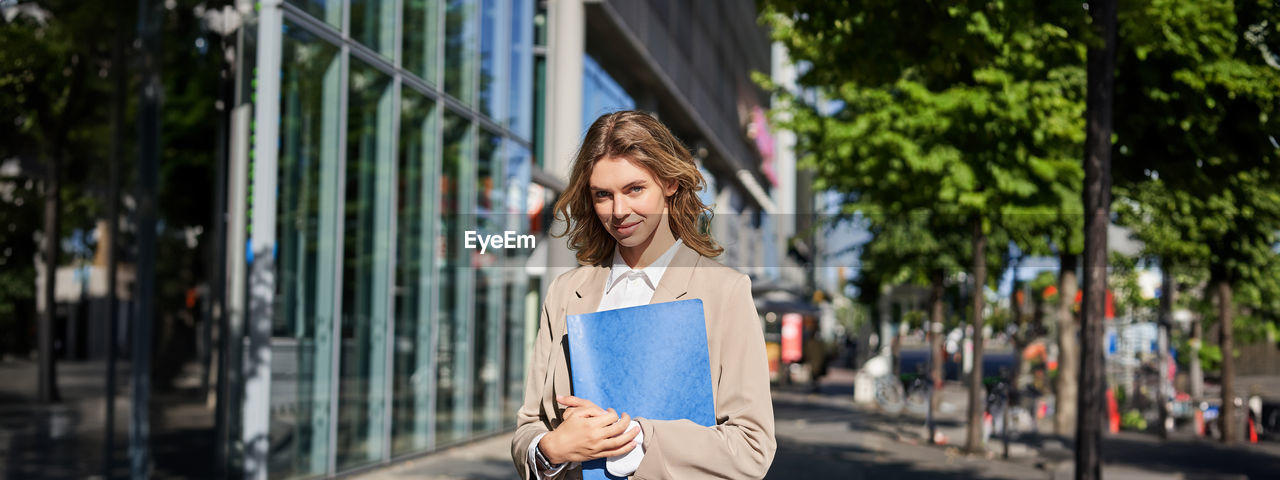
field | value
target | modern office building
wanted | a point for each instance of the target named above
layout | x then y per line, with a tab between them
329	314
370	137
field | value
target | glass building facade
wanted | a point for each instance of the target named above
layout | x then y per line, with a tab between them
402	124
374	136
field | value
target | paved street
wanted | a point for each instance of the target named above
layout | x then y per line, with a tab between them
823	435
820	434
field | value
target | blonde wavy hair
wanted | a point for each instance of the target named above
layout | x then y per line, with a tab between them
640	138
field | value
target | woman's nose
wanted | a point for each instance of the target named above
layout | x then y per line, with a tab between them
620	208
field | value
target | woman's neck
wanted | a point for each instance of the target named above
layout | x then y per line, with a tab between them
644	254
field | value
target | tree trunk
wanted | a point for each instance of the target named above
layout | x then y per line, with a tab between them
47	369
973	431
1227	415
895	344
1097	209
1166	321
1017	307
72	111
1197	373
1020	338
1064	415
936	355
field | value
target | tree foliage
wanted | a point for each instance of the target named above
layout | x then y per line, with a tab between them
958	109
56	92
1198	114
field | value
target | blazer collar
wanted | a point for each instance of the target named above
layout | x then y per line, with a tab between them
673	286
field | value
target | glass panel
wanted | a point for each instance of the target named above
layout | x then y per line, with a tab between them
517	173
451	348
411	408
373	23
520	85
330	11
306	231
494	48
485	393
366	263
459	50
421	38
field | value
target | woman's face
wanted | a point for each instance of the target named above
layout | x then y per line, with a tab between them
628	199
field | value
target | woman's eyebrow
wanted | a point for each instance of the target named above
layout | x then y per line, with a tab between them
636	183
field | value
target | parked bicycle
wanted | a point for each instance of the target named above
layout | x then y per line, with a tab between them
919	390
890	396
908	391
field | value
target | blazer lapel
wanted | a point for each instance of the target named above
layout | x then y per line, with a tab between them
675	281
587	295
674	284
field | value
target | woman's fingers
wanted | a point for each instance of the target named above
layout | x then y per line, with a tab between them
618	445
584	412
572	401
616	427
627	447
604	419
579	406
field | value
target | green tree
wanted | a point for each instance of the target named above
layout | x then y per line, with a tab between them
967	110
51	84
57	86
1197	98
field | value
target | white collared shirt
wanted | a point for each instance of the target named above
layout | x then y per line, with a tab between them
625	287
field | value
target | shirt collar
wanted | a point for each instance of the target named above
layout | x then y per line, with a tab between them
651	274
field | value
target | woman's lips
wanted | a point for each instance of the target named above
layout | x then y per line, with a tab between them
628	228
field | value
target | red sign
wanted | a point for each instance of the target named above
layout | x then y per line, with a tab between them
792	329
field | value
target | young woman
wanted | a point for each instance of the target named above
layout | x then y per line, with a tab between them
632	211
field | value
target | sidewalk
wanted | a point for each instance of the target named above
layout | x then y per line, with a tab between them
824	435
485	459
66	440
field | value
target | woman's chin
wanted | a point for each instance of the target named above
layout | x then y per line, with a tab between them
629	240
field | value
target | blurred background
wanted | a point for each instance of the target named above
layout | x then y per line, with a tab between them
231	231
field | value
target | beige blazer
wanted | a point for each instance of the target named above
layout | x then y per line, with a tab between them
740	445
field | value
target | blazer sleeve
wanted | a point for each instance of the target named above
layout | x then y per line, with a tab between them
741	444
531	419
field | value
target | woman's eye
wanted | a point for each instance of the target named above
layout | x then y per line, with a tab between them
602	194
636	189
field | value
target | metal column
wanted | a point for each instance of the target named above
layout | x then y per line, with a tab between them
261	232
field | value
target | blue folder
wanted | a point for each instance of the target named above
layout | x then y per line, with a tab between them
649	361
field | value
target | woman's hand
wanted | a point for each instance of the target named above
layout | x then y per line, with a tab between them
587	433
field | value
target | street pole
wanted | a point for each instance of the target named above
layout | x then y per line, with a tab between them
113	233
148	166
1097	208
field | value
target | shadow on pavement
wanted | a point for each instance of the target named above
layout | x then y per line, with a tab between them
1193	458
807	461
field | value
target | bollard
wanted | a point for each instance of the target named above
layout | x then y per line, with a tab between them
1253	431
1199	422
1113	412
